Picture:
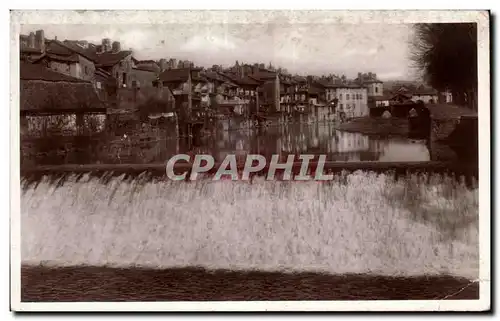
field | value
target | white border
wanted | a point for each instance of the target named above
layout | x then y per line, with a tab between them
348	17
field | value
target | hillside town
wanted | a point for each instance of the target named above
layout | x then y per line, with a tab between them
94	81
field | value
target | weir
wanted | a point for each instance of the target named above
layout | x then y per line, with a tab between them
158	171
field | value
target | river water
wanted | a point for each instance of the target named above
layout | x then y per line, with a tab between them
157	146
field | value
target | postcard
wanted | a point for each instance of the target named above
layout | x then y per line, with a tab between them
250	160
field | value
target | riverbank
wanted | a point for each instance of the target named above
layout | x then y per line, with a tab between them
81	284
380	127
387	127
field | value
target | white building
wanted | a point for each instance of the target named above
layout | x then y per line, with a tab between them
352	100
426	95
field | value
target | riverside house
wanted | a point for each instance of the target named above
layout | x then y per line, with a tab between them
56	111
182	83
49	98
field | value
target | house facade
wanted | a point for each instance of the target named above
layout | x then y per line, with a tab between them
183	83
426	97
420	93
352	100
56	104
59	58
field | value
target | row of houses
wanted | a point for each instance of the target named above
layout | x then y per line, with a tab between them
403	94
107	65
197	95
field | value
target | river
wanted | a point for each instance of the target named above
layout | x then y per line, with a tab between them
157	146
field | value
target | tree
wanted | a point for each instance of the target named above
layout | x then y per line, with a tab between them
446	54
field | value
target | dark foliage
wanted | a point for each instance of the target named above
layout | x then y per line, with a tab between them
447	55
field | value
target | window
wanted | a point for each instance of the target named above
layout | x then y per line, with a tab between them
340	96
347	96
124	79
98	85
376	89
86	70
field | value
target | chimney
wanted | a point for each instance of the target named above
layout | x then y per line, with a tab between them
31	40
172	63
84	44
40	40
116	46
106	45
163	64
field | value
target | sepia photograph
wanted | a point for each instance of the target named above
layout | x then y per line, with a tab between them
250	160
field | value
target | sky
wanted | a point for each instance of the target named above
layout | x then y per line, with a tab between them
311	48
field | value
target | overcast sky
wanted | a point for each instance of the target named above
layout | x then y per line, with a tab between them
302	48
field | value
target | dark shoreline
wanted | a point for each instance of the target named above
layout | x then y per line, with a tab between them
88	283
377	127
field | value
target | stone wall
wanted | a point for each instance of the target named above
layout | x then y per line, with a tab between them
133	98
143	78
129	141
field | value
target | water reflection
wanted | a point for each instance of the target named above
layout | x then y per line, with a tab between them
157	146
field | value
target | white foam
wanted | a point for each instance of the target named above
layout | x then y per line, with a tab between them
302	226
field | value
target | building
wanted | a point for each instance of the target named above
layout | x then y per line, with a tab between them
63	60
420	93
57	56
32	46
144	73
342	98
269	90
446	97
84	60
182	82
287	93
119	63
184	64
352	100
52	103
426	95
246	94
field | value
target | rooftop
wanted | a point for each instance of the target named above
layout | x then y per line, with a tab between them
367	78
179	75
41	91
146	68
108	59
263	75
30	71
